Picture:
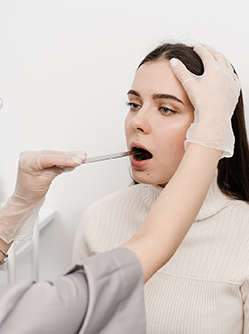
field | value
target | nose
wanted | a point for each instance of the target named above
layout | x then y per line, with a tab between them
141	121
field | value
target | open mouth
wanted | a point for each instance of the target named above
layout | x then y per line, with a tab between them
141	154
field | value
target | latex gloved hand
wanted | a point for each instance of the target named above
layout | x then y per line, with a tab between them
35	174
214	96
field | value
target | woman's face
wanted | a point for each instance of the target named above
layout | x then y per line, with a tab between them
159	116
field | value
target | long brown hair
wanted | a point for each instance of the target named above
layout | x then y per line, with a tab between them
233	173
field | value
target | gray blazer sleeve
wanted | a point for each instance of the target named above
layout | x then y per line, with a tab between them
101	295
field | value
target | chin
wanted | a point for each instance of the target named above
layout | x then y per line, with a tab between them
147	178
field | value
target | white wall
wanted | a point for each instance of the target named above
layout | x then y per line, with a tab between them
65	68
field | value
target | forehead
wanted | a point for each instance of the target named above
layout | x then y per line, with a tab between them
157	78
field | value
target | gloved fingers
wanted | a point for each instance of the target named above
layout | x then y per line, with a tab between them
214	101
63	153
49	159
219	57
208	54
45	159
38	169
180	71
205	55
211	57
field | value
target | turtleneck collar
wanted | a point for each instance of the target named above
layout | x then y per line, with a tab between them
213	203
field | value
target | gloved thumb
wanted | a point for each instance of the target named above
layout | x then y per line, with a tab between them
180	71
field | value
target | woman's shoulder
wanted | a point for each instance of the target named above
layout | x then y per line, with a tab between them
240	209
240	205
118	201
125	207
110	221
121	198
235	220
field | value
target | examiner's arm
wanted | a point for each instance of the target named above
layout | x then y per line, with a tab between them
102	295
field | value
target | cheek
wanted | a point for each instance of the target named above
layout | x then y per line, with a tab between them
127	127
175	134
171	140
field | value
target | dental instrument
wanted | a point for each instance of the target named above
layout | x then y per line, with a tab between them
108	157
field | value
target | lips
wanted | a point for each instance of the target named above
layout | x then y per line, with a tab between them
141	156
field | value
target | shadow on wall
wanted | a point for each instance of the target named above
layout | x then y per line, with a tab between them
2	193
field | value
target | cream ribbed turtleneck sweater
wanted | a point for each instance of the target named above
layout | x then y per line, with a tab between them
204	288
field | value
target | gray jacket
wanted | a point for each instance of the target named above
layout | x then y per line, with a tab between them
101	295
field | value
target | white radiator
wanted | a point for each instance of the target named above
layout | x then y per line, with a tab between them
21	248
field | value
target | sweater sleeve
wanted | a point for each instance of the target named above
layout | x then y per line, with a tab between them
101	295
245	297
57	306
115	305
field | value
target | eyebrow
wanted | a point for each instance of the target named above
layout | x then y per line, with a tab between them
157	96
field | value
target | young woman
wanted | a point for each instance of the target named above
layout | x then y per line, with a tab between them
204	288
103	294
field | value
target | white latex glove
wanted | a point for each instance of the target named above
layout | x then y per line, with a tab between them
214	96
35	174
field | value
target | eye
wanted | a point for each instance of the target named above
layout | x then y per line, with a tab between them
133	106
167	111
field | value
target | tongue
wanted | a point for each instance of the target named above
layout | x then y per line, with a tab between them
142	154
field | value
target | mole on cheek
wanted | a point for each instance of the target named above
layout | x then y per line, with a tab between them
148	174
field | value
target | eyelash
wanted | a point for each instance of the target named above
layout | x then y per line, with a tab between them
168	110
131	104
135	106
